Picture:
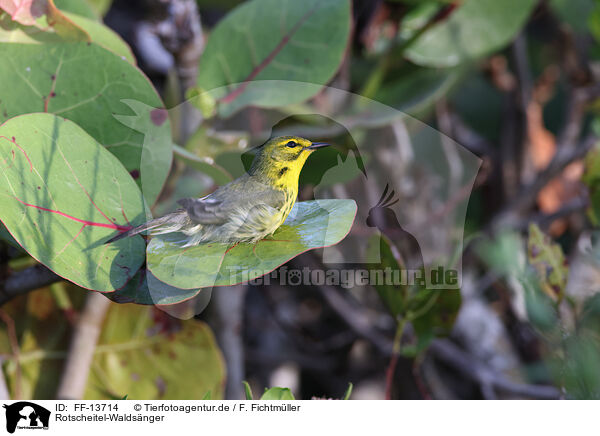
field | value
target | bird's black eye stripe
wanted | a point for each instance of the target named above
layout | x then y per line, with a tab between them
291	144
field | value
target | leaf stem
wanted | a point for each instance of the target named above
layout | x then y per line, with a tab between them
396	349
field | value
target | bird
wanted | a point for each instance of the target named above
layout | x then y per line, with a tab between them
246	209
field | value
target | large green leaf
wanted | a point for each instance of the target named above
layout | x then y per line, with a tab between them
301	41
79	7
136	356
48	78
62	195
133	358
146	289
311	224
103	36
476	28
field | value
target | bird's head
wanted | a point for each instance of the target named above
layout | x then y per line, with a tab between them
289	149
281	159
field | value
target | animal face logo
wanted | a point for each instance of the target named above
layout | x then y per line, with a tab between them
26	415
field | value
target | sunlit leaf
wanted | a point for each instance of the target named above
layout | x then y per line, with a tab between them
133	357
62	195
79	7
278	394
49	78
311	224
137	357
103	36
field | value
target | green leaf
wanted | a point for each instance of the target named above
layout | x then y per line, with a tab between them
577	368
394	297
203	164
134	354
101	7
311	224
549	261
417	90
573	12
432	313
591	177
301	41
207	396
504	254
78	7
283	394
348	392
48	78
133	357
475	29
146	289
103	36
247	390
62	195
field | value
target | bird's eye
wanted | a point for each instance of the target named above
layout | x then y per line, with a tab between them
291	144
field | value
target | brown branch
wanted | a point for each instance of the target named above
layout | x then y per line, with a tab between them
14	346
526	198
443	349
83	344
26	280
228	303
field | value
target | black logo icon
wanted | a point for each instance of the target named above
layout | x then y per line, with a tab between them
384	218
26	415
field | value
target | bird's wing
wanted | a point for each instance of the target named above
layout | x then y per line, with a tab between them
218	207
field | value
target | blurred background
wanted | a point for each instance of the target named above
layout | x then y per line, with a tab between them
503	93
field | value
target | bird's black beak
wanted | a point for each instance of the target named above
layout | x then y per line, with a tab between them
316	145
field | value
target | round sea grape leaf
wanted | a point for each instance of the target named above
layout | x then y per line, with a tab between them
474	29
296	41
310	225
146	289
99	91
103	36
62	196
133	358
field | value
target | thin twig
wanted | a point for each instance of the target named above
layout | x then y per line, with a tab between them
81	352
229	306
4	394
526	198
443	349
15	350
396	348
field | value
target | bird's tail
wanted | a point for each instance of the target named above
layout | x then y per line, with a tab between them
172	222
